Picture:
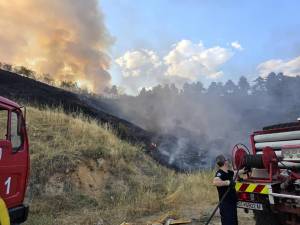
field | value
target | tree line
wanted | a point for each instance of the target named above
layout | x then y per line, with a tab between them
43	77
205	120
275	85
211	119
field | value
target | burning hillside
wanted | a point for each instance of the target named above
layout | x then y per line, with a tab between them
36	93
179	129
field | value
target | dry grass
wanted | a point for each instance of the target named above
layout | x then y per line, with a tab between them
194	188
135	186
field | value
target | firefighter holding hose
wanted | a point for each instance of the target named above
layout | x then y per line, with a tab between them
225	184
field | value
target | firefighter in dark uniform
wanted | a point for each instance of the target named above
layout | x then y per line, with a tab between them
224	180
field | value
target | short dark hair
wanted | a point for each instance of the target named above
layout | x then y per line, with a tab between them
220	160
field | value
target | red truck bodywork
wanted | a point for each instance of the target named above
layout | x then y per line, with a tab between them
14	161
274	196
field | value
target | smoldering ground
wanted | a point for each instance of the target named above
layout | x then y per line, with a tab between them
195	124
191	130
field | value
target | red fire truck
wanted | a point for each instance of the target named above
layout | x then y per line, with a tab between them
271	187
14	159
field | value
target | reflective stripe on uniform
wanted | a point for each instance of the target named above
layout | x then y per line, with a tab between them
251	188
4	216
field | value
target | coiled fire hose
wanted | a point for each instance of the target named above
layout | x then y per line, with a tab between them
222	199
4	216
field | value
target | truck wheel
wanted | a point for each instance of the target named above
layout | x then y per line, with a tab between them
265	218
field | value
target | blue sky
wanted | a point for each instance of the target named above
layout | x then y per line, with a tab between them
265	29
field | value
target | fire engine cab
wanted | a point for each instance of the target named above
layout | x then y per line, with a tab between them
14	160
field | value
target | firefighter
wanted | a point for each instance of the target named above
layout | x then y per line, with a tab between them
224	180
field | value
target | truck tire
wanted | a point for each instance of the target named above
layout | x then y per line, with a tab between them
265	218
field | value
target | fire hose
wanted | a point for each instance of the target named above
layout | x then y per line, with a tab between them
242	159
237	168
222	199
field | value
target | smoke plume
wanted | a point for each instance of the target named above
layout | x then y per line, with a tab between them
67	39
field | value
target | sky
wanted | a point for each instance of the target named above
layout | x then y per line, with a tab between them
143	43
163	41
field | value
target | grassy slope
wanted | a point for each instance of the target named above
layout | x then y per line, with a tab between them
81	173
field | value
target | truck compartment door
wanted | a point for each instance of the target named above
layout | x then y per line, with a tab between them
13	159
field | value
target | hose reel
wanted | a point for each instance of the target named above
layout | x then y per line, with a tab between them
268	160
239	152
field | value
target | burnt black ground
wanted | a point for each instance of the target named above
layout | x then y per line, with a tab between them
32	92
27	91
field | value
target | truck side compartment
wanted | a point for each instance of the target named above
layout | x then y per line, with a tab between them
271	187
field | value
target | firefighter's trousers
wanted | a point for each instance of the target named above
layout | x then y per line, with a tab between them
228	211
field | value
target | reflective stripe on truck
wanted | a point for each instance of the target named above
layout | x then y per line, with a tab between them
252	188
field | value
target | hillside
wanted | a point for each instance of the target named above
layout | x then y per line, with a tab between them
26	90
41	95
81	173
